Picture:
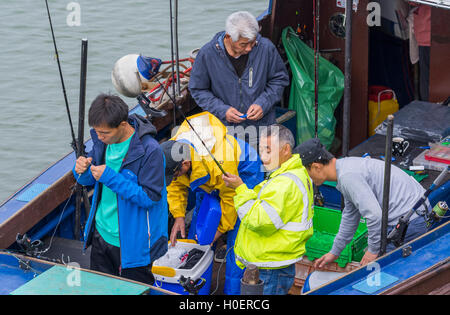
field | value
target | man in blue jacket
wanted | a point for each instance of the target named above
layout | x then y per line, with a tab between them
127	224
239	76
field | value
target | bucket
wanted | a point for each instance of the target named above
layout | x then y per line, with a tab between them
208	219
382	102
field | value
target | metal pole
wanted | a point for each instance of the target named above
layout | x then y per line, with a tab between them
348	78
387	184
80	191
316	67
82	100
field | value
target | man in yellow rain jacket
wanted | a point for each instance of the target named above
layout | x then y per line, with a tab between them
197	171
276	216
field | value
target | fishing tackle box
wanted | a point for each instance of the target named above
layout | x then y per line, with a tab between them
208	219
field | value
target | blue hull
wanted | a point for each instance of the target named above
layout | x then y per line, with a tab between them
392	269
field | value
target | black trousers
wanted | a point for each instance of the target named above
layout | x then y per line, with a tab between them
105	258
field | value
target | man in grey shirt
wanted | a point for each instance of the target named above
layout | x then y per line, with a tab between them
360	181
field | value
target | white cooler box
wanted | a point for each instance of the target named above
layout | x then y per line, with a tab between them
165	269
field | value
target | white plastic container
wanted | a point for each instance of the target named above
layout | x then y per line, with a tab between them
168	278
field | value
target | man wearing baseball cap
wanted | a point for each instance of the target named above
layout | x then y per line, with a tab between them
360	181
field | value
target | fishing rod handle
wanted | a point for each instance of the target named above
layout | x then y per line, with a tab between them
441	176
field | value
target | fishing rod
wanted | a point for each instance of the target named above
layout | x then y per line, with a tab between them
78	146
397	235
174	55
192	127
74	142
177	80
177	58
172	60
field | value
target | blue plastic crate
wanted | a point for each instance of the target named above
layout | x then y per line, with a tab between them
332	196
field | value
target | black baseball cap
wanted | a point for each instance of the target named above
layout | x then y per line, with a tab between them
174	162
312	151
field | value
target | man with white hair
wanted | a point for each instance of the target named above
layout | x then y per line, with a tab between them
239	76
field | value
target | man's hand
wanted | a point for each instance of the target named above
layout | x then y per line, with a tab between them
255	112
82	164
232	115
97	171
232	181
325	259
178	226
216	237
367	258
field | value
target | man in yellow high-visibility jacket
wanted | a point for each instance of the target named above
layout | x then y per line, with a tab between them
197	171
276	216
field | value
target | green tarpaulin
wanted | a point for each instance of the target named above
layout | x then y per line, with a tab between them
301	99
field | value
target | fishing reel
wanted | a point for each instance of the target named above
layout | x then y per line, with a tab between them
319	200
397	235
144	101
437	213
192	286
31	248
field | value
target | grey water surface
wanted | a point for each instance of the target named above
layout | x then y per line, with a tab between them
34	128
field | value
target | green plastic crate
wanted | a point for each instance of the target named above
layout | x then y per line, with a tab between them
326	225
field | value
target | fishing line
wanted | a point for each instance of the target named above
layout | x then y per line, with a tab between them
38	254
218	271
59	221
27	264
74	145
